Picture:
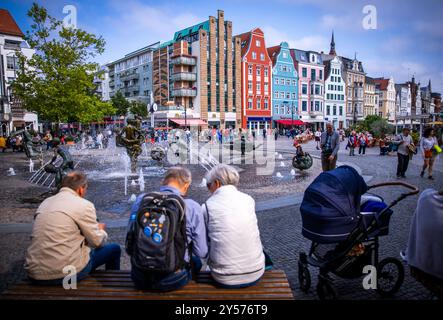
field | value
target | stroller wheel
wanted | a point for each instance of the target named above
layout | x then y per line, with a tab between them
304	277
390	276
325	290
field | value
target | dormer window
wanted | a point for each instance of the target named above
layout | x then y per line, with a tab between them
257	43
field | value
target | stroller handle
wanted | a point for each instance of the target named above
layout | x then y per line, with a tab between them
414	189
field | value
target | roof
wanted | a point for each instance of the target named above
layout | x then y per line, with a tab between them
348	64
8	25
165	44
245	38
369	80
191	30
273	53
382	83
303	56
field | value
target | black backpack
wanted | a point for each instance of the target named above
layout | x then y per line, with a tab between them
156	237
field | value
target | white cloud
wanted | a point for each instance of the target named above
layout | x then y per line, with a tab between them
274	37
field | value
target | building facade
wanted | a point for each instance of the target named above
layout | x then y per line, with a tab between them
335	93
370	98
311	86
284	84
386	91
199	71
256	81
426	102
101	80
13	114
132	75
355	84
403	104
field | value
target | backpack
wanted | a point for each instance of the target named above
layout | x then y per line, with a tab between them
156	237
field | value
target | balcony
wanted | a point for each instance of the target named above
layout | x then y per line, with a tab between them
184	76
129	76
314	114
184	60
184	92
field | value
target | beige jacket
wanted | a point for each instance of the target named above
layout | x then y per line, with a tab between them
64	229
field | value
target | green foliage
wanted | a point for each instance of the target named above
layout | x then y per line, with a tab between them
415	137
139	109
120	104
381	128
57	81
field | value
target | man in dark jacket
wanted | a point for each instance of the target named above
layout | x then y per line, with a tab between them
330	144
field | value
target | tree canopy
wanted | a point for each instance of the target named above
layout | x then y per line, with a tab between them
57	82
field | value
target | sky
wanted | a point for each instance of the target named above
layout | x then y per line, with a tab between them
406	40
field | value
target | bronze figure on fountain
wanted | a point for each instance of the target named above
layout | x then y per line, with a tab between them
131	137
65	167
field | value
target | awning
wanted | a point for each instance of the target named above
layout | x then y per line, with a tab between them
291	122
189	122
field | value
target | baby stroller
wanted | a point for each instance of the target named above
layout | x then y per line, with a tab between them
344	224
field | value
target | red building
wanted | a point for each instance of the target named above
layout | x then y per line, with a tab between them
256	81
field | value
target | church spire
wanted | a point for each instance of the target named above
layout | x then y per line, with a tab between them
332	50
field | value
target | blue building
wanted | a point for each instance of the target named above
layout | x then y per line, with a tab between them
284	87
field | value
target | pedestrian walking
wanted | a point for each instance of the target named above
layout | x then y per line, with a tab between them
362	143
429	148
352	143
330	144
317	138
404	141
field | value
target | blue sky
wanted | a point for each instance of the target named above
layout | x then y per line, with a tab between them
408	39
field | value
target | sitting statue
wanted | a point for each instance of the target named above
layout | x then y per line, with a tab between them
302	160
131	138
31	144
66	166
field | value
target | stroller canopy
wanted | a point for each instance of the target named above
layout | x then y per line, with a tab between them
331	205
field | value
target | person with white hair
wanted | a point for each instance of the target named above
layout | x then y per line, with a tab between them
330	144
236	257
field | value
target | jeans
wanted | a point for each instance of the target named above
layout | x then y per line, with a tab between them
351	151
108	255
362	149
403	162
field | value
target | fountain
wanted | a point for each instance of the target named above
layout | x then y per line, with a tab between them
11	172
282	164
279	175
141	181
292	172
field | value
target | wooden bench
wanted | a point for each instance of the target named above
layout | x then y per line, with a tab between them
117	285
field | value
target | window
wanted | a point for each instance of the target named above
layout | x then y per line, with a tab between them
304	72
258	103
340	110
276	80
266	88
258	71
282	81
275	94
257	43
304	106
289	69
262	56
285	54
266	104
334	110
293	96
282	95
276	109
294	83
317	89
11	63
317	106
328	110
266	71
304	88
249	85
288	82
320	76
288	95
313	74
254	55
258	86
249	103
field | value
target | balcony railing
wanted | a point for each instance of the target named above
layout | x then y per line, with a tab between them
130	76
184	76
183	60
184	92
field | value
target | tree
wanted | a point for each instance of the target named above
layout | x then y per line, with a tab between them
57	82
138	108
381	128
120	104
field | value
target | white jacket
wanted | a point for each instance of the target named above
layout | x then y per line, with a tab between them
235	249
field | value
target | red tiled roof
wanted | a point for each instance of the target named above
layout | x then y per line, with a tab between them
244	37
273	53
383	83
8	25
292	52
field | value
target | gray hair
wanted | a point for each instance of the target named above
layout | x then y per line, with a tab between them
178	174
224	174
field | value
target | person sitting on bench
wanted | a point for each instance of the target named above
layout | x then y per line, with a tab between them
66	234
236	257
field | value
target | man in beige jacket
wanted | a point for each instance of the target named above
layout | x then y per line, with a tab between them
65	229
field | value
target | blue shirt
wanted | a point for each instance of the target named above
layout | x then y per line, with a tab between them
195	224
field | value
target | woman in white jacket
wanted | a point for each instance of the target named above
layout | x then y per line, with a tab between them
236	256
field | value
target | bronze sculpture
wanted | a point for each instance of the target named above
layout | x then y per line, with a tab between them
65	167
131	138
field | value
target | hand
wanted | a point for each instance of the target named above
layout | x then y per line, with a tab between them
102	226
331	157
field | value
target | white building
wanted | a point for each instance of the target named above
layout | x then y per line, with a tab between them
335	93
403	104
102	83
12	114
